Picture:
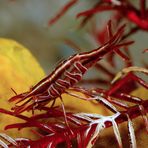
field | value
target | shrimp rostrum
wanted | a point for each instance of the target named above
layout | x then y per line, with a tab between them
66	75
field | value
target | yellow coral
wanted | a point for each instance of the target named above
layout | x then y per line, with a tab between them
18	70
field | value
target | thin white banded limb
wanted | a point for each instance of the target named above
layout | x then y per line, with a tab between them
62	81
65	117
55	90
74	74
70	76
46	96
79	68
59	85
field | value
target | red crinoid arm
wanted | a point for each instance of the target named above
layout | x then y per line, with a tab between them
88	17
123	83
128	98
62	12
143	24
27	119
129	62
140	81
123	56
143	8
95	10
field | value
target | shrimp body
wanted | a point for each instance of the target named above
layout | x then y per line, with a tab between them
66	74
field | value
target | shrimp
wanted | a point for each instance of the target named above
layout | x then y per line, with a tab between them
66	75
